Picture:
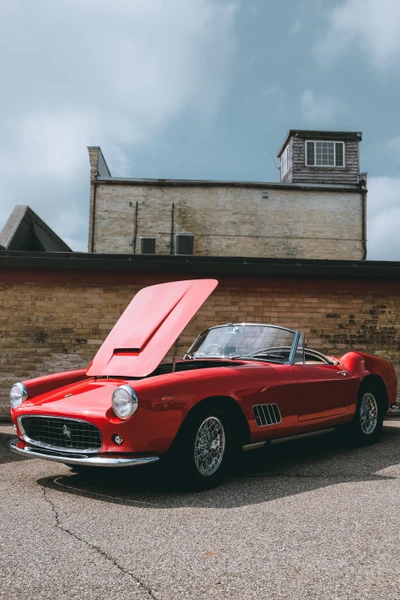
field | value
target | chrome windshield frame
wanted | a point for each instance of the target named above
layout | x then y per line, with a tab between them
293	350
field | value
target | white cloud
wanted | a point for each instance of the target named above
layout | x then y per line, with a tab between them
320	109
51	143
383	218
372	26
115	74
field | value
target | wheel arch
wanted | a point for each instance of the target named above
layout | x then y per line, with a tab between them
239	422
378	383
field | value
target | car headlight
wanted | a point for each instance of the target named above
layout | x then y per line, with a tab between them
124	401
18	394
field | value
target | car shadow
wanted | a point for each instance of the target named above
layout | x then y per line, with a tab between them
6	456
285	469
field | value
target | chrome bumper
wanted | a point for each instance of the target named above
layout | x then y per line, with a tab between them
19	447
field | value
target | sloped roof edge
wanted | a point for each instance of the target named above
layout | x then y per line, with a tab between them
23	225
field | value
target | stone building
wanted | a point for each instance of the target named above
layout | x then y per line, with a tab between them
316	211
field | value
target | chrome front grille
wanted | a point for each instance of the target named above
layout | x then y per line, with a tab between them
266	414
57	433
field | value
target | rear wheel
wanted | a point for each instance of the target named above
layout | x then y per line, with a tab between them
204	448
366	427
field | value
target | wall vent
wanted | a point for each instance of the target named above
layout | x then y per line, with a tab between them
147	245
266	414
184	243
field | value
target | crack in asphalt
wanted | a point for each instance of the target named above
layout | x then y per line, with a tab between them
97	549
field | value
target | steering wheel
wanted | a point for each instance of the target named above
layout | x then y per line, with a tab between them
212	350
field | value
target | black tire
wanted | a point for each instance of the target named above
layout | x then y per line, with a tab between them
367	423
203	463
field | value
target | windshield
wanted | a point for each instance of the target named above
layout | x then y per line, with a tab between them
265	342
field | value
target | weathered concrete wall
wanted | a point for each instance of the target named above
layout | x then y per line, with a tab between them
231	221
51	327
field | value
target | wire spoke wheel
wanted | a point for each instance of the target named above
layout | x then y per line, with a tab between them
369	413
209	446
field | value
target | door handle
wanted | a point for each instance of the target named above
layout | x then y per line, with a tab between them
343	373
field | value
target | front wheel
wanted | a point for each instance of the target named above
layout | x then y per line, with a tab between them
366	427
204	448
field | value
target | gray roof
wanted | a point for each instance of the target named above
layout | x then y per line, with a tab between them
25	230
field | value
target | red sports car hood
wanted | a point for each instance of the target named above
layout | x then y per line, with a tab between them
149	326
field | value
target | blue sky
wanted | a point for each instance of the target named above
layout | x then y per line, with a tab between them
192	89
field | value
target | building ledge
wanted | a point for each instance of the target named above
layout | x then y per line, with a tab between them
205	266
239	184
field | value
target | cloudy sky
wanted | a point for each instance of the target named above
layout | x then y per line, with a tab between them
192	89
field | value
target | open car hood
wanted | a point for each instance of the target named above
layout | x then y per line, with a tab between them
148	328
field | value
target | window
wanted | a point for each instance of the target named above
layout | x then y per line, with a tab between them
284	163
325	154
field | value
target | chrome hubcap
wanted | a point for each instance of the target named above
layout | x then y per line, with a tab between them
368	414
209	446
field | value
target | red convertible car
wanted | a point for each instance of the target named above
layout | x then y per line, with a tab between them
239	384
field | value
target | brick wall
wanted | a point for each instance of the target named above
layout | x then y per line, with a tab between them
231	220
57	323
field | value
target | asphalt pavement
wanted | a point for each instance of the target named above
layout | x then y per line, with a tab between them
309	518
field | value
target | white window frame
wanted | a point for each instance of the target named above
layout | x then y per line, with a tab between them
334	142
284	162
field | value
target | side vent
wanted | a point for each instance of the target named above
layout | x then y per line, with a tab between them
147	245
267	414
184	243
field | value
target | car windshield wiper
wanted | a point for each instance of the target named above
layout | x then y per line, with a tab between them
262	356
